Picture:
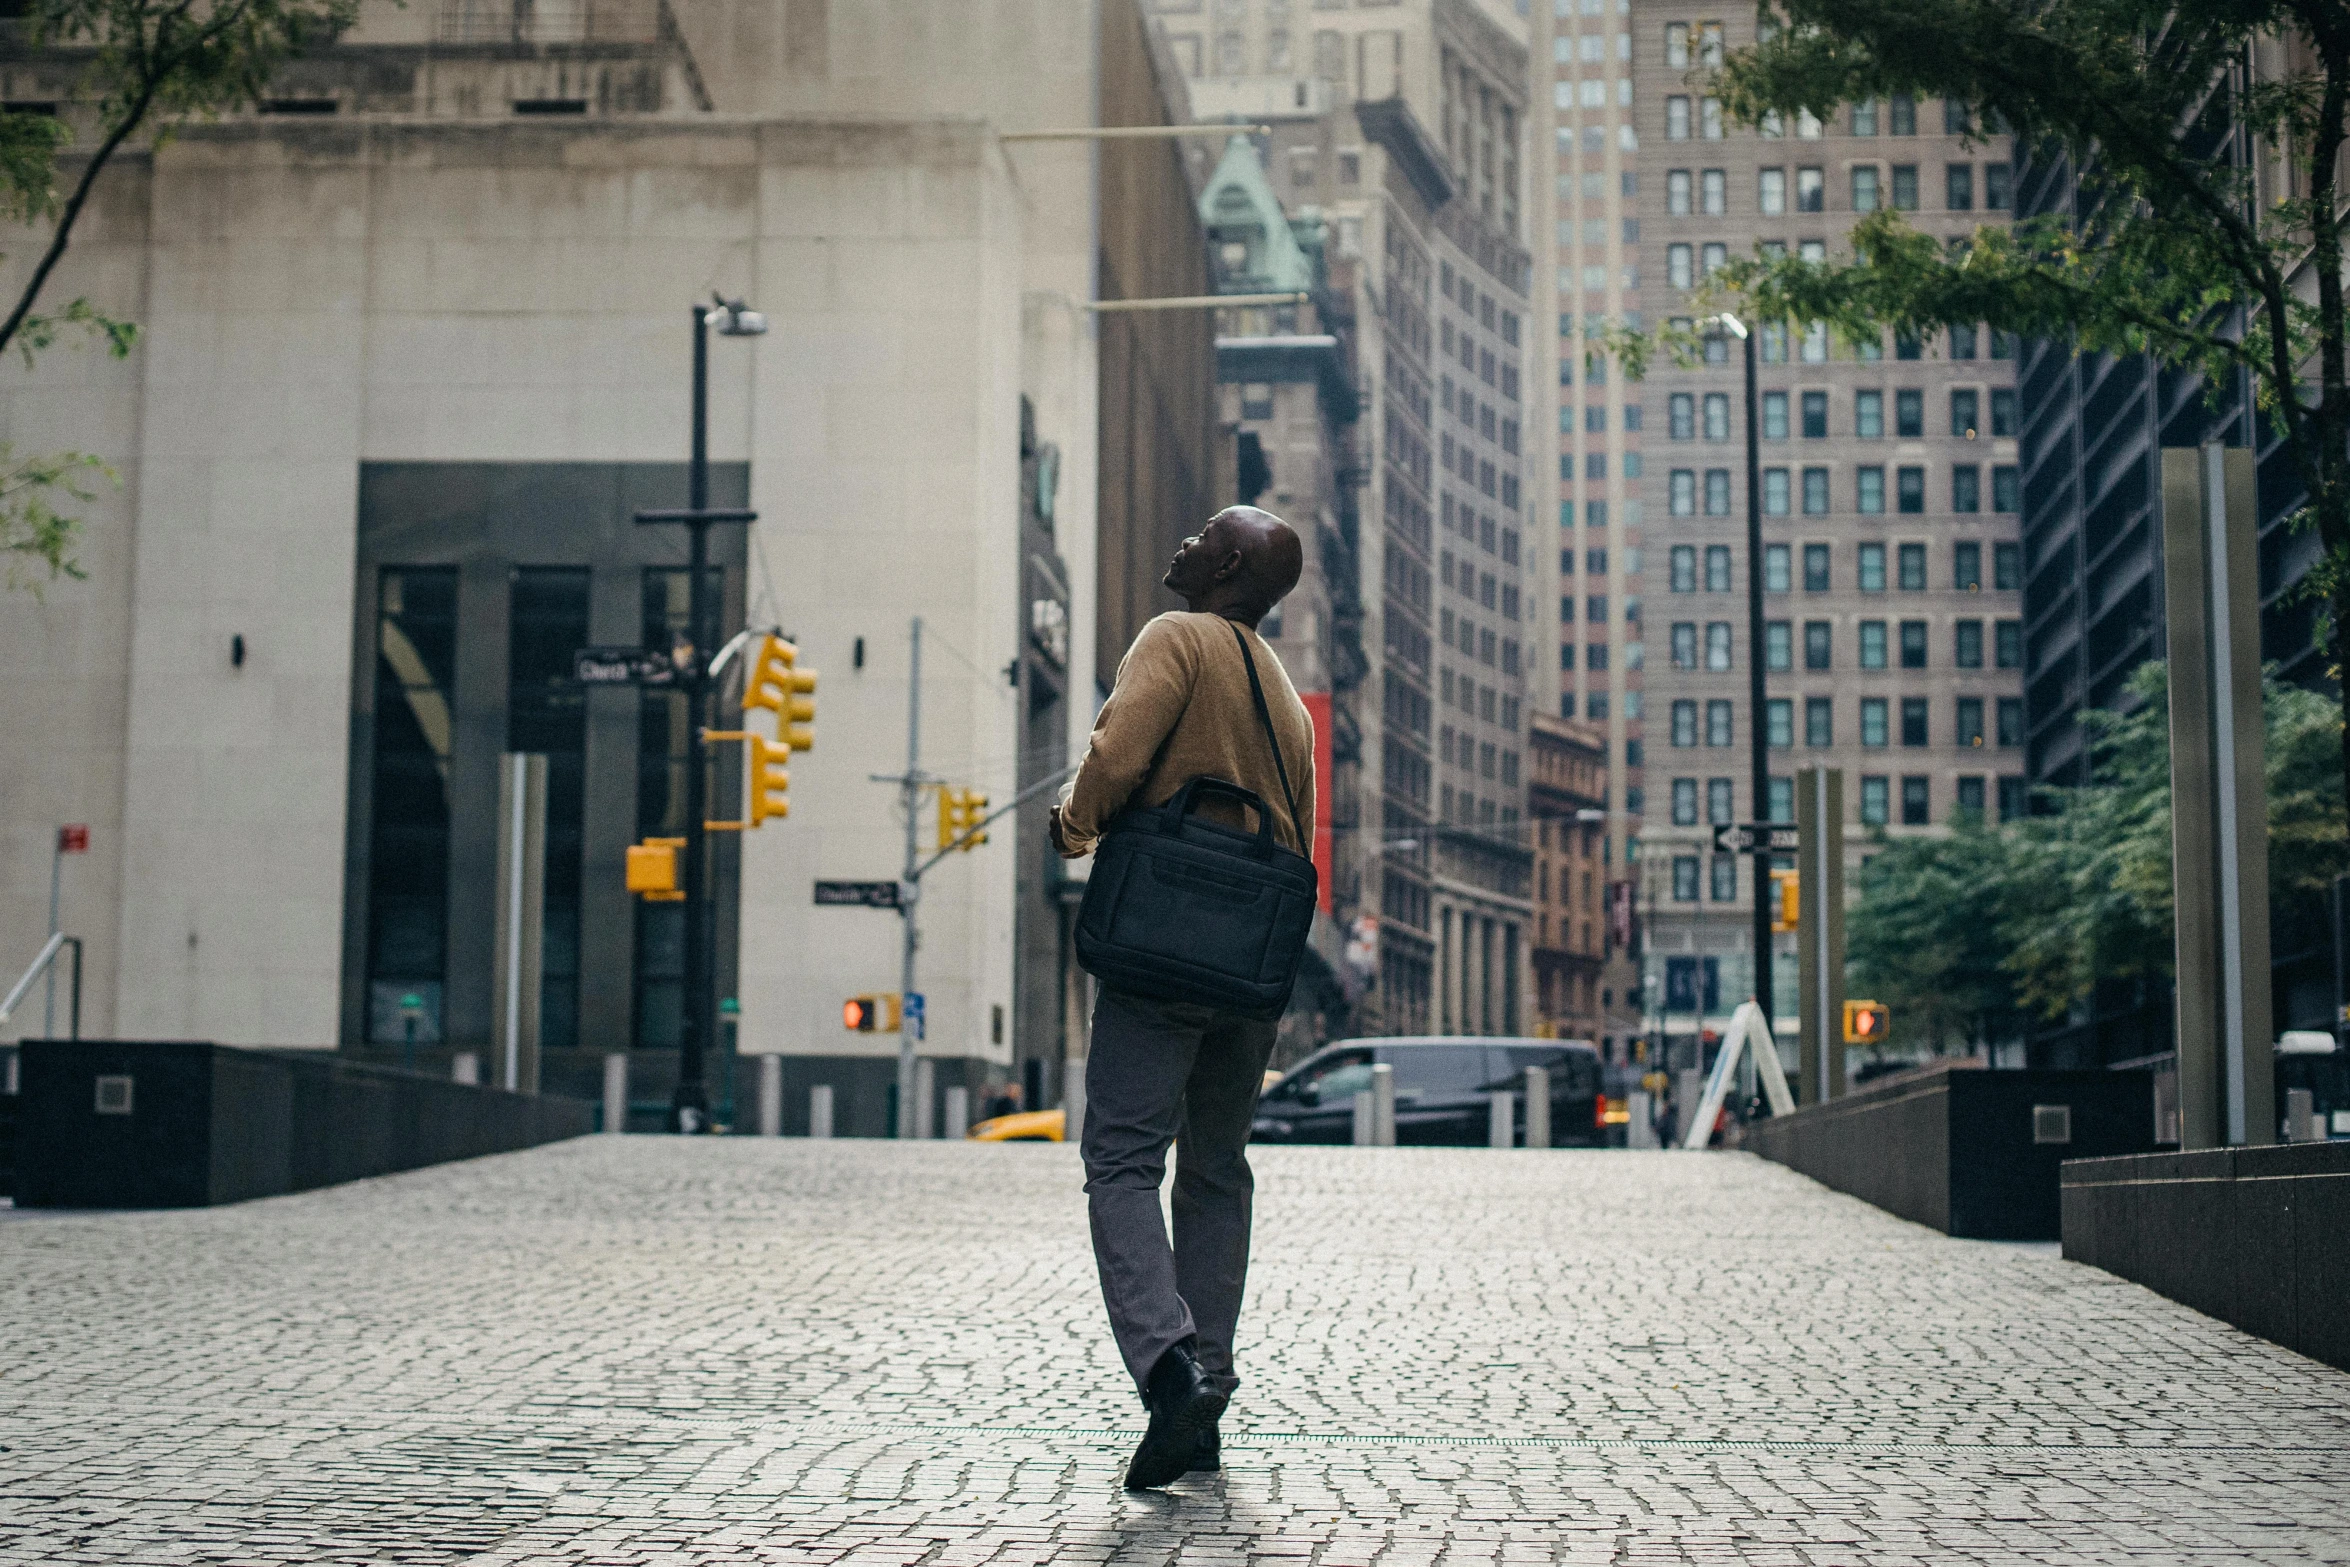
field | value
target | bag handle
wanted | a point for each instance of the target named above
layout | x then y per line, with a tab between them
1186	800
1256	691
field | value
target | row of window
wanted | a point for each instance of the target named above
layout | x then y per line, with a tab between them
1480	644
1877	722
1966	567
1706	192
1480	529
1683	421
1868	489
1721	801
1812	344
1480	757
1478	701
1862	119
1875	645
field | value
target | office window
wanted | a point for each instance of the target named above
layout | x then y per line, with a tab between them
1819	721
1684	802
1684	878
1815	492
2007	638
2006	489
1712	258
1864	188
1720	810
1906	346
1872	568
1775	492
1718	731
1777	576
1681	417
1904	115
1717	568
1959	187
1966	487
1810	190
1770	192
1682	568
1915	727
2003	411
2007	567
1864	117
1725	878
1779	723
1684	723
1818	644
1780	792
1910	489
1815	415
1970	720
408	830
2011	720
1594	419
1872	801
1868	491
1868	415
1684	644
1774	416
1713	193
1916	797
1964	403
1677	267
546	714
1966	566
1677	118
1909	413
1913	644
1774	340
1905	187
1815	568
1970	796
1872	721
1677	191
1717	492
1778	646
1998	187
1872	644
1717	645
1681	492
1709	119
1815	337
1911	563
1962	342
2012	797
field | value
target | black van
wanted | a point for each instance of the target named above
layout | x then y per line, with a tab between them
1443	1090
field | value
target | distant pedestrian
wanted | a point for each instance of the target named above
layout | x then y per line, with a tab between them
1161	1071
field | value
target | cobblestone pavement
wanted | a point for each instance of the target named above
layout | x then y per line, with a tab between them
643	1350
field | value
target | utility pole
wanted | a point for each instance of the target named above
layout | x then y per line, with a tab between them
910	886
1759	734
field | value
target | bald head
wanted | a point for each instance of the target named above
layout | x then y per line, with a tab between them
1239	566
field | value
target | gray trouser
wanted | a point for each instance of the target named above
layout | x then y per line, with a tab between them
1162	1071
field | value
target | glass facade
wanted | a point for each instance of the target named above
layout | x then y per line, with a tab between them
408	847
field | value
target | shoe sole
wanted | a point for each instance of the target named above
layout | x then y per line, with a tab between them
1167	1448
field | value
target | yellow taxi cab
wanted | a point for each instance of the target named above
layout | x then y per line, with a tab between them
1026	1126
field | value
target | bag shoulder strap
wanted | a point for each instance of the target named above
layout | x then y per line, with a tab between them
1256	691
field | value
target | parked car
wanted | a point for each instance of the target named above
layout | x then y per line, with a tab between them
1021	1126
1443	1090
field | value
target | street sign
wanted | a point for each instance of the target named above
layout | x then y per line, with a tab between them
857	894
914	1016
73	840
623	666
1747	837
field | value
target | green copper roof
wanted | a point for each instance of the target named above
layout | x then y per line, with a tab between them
1239	208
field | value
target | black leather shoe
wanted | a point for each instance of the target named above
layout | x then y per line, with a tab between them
1207	1455
1181	1401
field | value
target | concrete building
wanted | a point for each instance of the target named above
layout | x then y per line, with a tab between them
1892	561
413	354
1568	799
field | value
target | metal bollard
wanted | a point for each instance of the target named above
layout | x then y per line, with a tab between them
1640	1130
958	1113
925	1098
1073	1100
2300	1116
1537	1107
820	1110
1362	1104
771	1096
1383	1106
1501	1122
616	1091
465	1067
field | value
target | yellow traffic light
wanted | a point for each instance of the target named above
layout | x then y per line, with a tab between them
1787	900
871	1014
652	869
959	812
770	781
777	683
1865	1022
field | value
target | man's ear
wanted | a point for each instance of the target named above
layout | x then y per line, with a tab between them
1232	565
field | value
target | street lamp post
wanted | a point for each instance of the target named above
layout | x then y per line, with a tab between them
689	1105
1758	729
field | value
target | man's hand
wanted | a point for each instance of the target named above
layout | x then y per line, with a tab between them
1060	835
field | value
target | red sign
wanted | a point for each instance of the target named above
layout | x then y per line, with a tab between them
1318	709
73	840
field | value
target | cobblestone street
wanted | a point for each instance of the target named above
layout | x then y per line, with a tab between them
648	1350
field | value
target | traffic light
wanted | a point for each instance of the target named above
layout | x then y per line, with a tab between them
777	683
959	811
770	781
872	1014
652	870
1865	1022
1786	899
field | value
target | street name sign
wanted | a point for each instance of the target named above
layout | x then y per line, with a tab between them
1747	837
623	666
857	894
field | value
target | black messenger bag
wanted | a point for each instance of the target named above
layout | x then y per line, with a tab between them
1183	909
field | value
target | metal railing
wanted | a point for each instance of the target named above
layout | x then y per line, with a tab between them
49	951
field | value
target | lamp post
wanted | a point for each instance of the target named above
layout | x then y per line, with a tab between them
1758	732
689	1105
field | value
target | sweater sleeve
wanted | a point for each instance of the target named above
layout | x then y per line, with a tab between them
1154	685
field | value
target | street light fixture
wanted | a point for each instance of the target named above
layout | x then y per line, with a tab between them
1758	734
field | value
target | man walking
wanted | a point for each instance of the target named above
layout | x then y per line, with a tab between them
1162	1071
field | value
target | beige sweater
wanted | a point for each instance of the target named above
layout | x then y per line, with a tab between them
1181	710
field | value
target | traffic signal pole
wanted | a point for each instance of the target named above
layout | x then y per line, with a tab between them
1760	735
909	886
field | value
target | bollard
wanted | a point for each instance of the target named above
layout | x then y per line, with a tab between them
465	1067
820	1110
1383	1106
1640	1130
1362	1103
1073	1100
925	1098
771	1096
1537	1107
1501	1122
616	1092
2300	1115
958	1113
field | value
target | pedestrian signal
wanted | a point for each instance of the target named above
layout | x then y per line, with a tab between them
871	1014
779	685
653	870
1865	1022
1786	900
960	811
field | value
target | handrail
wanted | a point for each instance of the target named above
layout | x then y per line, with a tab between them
49	952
